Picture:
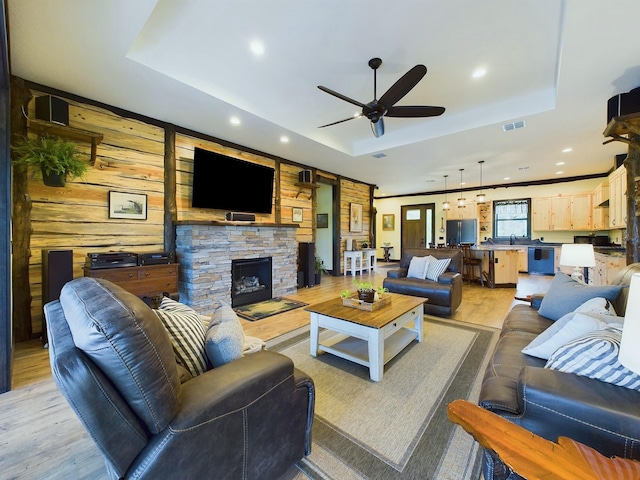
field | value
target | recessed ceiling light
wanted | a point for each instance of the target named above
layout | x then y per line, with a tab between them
507	178
257	48
479	72
234	121
567	150
559	163
560	172
284	139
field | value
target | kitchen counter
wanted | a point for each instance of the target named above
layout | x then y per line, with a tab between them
499	264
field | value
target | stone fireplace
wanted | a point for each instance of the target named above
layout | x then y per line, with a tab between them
205	251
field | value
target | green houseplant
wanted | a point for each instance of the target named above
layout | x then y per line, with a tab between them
319	266
57	159
366	290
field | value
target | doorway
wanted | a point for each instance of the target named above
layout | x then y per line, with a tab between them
417	226
327	224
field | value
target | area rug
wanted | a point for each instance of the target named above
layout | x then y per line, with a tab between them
273	306
396	428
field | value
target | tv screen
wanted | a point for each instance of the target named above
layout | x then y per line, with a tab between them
226	183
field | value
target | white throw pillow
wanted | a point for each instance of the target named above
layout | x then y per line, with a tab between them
599	305
418	267
225	337
568	328
437	268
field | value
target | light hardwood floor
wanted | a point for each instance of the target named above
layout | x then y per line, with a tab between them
42	437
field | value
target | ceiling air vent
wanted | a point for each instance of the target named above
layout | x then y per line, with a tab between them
379	155
512	126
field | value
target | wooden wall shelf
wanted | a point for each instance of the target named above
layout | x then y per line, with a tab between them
49	128
302	185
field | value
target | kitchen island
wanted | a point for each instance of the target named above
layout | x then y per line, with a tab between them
499	264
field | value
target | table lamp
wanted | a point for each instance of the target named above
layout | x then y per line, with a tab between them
629	355
577	255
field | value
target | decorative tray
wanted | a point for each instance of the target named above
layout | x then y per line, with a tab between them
355	302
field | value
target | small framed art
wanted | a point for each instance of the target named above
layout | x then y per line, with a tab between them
388	221
128	205
322	220
296	215
355	217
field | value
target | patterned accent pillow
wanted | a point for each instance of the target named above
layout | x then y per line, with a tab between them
187	334
225	336
599	305
595	355
437	268
418	267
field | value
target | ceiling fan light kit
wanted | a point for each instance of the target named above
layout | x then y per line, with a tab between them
385	106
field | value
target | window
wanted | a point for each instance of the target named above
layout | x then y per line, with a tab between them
512	217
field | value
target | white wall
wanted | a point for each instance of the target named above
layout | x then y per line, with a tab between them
393	205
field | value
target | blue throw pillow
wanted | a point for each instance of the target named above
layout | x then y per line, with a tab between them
565	295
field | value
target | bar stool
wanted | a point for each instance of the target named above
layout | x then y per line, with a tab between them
469	265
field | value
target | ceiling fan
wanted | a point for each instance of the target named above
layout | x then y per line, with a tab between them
385	107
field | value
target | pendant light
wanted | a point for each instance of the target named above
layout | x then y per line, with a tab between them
461	200
445	205
481	197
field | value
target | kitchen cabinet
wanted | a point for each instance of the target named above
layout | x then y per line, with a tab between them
580	213
500	265
569	212
523	259
617	198
600	215
468	212
607	267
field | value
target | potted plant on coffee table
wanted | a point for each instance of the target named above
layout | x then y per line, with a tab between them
366	291
57	159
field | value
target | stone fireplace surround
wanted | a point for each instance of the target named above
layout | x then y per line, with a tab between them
204	251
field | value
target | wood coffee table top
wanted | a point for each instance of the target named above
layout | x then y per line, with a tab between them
377	319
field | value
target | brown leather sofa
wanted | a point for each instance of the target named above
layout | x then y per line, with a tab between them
250	418
445	295
550	403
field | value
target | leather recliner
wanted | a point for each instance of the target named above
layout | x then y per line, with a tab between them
250	418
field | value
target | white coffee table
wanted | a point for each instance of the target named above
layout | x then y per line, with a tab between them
368	338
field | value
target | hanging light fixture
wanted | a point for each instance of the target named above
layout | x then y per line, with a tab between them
461	200
445	205
481	197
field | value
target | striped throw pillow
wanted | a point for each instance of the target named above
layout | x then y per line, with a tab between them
437	268
187	334
595	355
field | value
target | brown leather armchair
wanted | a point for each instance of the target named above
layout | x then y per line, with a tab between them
112	359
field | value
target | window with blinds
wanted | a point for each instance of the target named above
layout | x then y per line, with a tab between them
512	217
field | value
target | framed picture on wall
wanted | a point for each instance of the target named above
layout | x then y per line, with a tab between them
388	221
296	216
128	205
355	217
322	220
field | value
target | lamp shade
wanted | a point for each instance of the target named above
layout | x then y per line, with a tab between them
577	255
630	345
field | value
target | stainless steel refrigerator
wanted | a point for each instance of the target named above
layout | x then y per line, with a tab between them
461	231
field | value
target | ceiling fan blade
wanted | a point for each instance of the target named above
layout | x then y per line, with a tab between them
414	111
342	97
340	121
403	86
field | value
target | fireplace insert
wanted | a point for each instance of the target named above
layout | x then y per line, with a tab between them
250	281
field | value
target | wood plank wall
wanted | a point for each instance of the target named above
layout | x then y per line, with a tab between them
131	159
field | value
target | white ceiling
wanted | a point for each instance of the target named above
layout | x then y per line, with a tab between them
551	63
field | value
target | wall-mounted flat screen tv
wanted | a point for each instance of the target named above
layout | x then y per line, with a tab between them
227	183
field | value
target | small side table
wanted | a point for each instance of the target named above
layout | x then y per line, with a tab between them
386	252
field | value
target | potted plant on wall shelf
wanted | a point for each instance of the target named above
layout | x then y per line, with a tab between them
57	159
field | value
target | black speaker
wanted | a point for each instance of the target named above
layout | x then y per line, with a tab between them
240	217
623	104
52	109
304	176
306	262
57	269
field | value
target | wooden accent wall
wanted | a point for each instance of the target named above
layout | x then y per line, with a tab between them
130	158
